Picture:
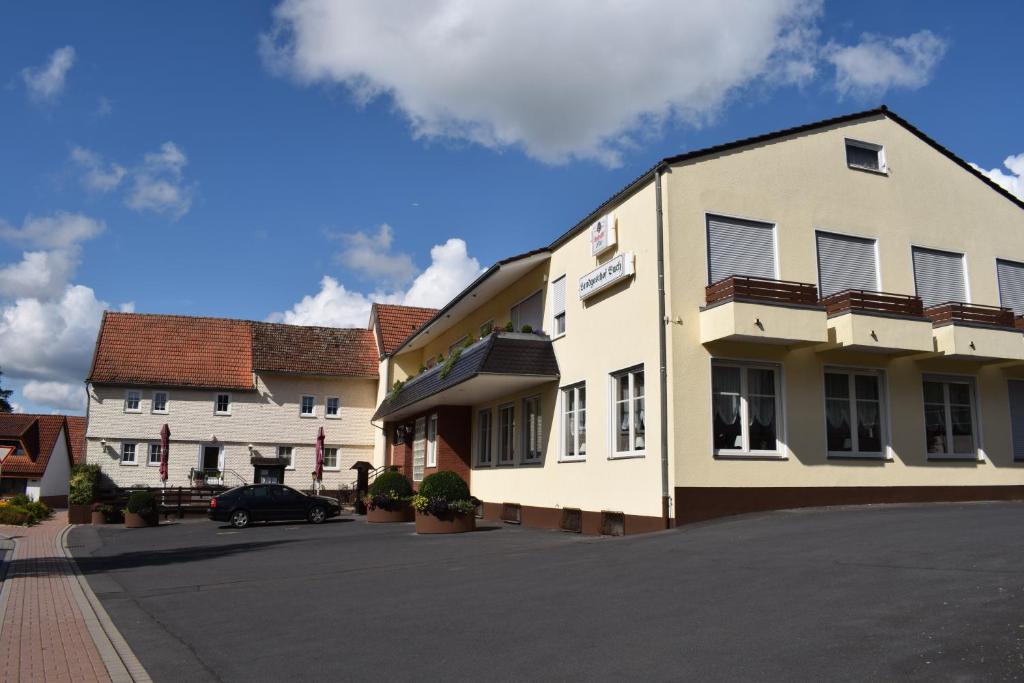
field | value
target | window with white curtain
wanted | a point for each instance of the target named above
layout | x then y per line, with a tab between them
629	414
949	417
506	434
574	422
419	449
483	437
432	441
533	430
853	413
745	400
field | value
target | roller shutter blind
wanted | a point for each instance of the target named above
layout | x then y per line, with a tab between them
739	247
1016	390
1011	285
558	296
846	263
939	276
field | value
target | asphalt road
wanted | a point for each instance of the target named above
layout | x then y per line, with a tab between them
903	592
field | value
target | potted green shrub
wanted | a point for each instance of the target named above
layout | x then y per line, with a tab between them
388	498
104	513
141	510
443	505
82	493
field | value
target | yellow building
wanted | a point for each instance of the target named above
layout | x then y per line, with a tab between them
821	315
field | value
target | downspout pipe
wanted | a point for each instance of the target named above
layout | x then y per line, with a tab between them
666	498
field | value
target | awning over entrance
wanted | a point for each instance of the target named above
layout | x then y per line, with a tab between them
496	366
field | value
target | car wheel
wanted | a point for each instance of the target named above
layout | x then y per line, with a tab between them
239	519
317	514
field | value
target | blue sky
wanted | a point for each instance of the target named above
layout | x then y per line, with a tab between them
224	158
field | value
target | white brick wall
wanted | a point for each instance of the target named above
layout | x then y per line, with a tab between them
265	418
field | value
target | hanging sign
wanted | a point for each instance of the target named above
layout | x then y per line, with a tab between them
609	273
602	234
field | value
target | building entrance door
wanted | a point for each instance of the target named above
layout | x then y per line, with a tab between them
211	458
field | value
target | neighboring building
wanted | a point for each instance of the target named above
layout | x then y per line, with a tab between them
821	315
243	400
45	447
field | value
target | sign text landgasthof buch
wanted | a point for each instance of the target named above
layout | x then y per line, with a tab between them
606	275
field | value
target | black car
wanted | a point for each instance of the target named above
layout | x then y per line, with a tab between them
270	502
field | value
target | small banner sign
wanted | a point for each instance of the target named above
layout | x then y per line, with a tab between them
602	234
606	275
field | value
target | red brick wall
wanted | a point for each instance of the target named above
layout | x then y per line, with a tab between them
454	442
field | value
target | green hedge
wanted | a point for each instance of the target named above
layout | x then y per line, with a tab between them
142	503
445	485
82	485
21	510
392	484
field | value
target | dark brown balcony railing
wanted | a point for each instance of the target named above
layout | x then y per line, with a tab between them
1018	322
975	314
760	289
866	301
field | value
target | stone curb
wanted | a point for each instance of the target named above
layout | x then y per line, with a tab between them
121	662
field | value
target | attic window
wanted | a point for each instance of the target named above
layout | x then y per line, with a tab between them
865	156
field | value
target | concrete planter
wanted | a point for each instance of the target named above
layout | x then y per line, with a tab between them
403	513
133	520
80	514
98	517
450	523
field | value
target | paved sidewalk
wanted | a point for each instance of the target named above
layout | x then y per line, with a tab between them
44	635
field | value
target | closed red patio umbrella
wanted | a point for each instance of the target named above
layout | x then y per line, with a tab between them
165	445
318	473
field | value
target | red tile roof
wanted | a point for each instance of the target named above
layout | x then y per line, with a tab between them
173	350
321	351
218	353
38	433
394	324
76	435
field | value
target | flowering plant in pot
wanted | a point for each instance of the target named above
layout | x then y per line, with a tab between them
443	505
82	493
388	498
141	511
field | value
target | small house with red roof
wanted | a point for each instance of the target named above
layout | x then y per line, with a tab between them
43	449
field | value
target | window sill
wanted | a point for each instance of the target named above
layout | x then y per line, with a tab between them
133	412
557	336
726	455
954	457
858	456
129	464
152	464
628	455
332	417
159	412
866	169
307	415
532	463
331	469
577	459
222	414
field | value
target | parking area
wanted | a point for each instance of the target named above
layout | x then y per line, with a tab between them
908	592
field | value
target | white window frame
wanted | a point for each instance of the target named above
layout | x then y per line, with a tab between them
511	460
216	401
302	405
780	452
883	412
840	233
883	166
480	443
291	456
555	334
573	389
526	458
337	459
135	454
167	403
431	457
201	453
953	252
327	402
149	454
976	435
138	400
423	441
613	403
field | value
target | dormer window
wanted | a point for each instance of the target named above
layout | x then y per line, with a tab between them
865	156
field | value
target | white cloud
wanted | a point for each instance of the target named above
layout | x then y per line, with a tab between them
1013	181
96	177
880	63
50	340
450	270
371	255
562	80
40	274
158	184
46	83
57	395
61	230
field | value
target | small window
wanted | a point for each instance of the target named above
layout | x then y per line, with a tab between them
629	415
528	314
223	404
949	417
744	406
285	453
332	407
558	306
154	454
853	414
330	458
483	437
432	441
160	402
574	422
307	407
865	155
533	430
486	328
132	401
419	448
127	454
506	434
